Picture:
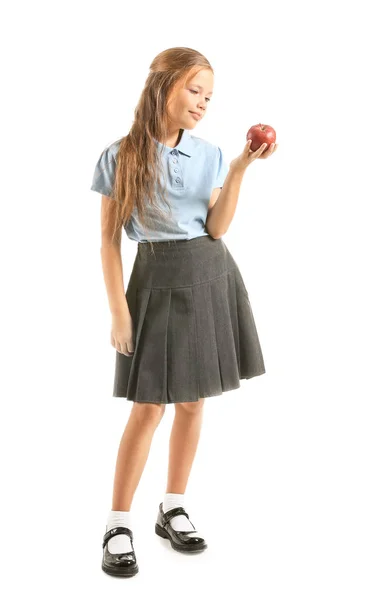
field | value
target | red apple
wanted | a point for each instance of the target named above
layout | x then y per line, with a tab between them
261	134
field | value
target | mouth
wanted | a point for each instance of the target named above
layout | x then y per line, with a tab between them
195	115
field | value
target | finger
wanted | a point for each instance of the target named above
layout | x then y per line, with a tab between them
260	150
129	352
272	149
119	348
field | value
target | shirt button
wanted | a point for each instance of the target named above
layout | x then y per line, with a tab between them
176	170
174	160
178	180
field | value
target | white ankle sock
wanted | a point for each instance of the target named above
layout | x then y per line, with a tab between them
119	543
180	522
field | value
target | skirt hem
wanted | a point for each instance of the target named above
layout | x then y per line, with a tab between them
212	395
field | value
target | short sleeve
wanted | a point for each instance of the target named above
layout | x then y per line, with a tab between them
104	173
222	169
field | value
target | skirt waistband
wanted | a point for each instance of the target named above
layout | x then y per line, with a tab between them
169	246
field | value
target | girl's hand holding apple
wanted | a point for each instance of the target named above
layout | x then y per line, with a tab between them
248	156
262	138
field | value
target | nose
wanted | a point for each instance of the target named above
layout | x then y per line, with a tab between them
201	106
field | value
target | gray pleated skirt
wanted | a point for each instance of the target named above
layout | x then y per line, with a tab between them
193	326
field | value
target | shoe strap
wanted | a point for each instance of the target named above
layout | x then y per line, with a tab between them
116	531
173	512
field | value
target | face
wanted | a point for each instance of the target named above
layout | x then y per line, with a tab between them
194	97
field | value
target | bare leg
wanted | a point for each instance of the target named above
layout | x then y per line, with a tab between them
133	452
183	444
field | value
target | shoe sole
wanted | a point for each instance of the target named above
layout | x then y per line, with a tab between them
164	534
119	573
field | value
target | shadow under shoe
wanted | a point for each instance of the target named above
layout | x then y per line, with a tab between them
183	541
123	564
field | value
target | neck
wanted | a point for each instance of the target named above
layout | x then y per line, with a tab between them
173	138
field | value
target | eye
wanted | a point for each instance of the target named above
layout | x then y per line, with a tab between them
196	92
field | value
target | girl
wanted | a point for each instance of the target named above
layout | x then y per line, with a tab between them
184	328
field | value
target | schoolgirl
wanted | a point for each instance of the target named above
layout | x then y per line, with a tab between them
184	329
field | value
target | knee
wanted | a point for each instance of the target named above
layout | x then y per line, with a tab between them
149	412
190	408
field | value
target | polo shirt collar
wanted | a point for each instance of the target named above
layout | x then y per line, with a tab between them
185	145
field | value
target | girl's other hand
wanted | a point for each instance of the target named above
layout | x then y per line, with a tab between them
122	333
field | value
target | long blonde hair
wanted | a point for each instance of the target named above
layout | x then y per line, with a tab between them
138	168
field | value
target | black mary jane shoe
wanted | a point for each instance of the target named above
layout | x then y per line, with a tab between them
183	541
123	564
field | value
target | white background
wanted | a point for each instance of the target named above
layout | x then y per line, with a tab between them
288	483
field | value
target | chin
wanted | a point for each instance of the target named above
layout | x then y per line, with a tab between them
191	122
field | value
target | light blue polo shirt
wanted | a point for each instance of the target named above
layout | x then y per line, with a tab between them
193	169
